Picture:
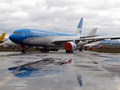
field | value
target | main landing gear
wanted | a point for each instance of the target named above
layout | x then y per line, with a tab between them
81	48
69	51
45	49
24	51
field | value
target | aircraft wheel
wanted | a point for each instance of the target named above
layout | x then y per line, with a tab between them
80	49
85	48
45	50
23	51
66	51
69	51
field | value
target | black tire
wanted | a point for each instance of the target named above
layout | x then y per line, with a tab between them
71	51
23	51
66	51
80	49
85	48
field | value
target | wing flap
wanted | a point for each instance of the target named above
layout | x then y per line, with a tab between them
60	41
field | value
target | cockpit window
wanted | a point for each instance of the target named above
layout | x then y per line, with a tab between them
16	32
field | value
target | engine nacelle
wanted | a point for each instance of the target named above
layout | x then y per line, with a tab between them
70	46
101	47
90	48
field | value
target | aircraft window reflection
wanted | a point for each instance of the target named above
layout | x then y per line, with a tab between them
16	32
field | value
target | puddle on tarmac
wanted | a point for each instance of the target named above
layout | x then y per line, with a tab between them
43	67
2	55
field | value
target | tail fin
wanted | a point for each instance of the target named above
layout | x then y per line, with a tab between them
2	37
93	32
79	28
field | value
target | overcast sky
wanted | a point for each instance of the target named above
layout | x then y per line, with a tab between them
61	15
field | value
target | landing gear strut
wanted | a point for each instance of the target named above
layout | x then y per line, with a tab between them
24	51
23	48
85	48
81	48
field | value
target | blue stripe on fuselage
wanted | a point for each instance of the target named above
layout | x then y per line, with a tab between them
41	33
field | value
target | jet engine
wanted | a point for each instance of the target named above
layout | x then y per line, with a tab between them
70	46
101	47
90	48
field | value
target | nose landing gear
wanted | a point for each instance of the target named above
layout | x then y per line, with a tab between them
23	48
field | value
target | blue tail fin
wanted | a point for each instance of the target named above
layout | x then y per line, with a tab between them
79	28
80	23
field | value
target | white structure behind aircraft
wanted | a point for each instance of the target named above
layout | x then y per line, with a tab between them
8	43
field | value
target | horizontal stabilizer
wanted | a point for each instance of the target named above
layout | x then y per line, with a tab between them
89	36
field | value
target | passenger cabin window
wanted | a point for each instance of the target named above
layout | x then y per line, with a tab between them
16	32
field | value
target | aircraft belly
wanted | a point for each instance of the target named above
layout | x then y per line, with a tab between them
36	41
54	45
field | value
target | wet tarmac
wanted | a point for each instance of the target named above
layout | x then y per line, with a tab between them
59	71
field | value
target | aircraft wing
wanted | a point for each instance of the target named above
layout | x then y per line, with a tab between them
61	41
94	39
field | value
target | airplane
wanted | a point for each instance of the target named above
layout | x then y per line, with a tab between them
2	38
8	43
82	44
93	44
33	37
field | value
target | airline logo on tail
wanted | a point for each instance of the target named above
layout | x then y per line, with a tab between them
2	37
80	31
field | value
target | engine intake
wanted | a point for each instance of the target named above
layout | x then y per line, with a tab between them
101	47
70	46
90	48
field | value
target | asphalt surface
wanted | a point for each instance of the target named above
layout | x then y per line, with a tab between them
59	71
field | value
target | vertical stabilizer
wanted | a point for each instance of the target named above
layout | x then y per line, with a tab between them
79	28
2	37
93	32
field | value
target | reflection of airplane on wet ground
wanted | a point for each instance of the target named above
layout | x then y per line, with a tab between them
33	37
40	68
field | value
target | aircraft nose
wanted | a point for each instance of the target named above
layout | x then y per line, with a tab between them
15	38
11	37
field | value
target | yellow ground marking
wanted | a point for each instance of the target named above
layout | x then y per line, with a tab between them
11	75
